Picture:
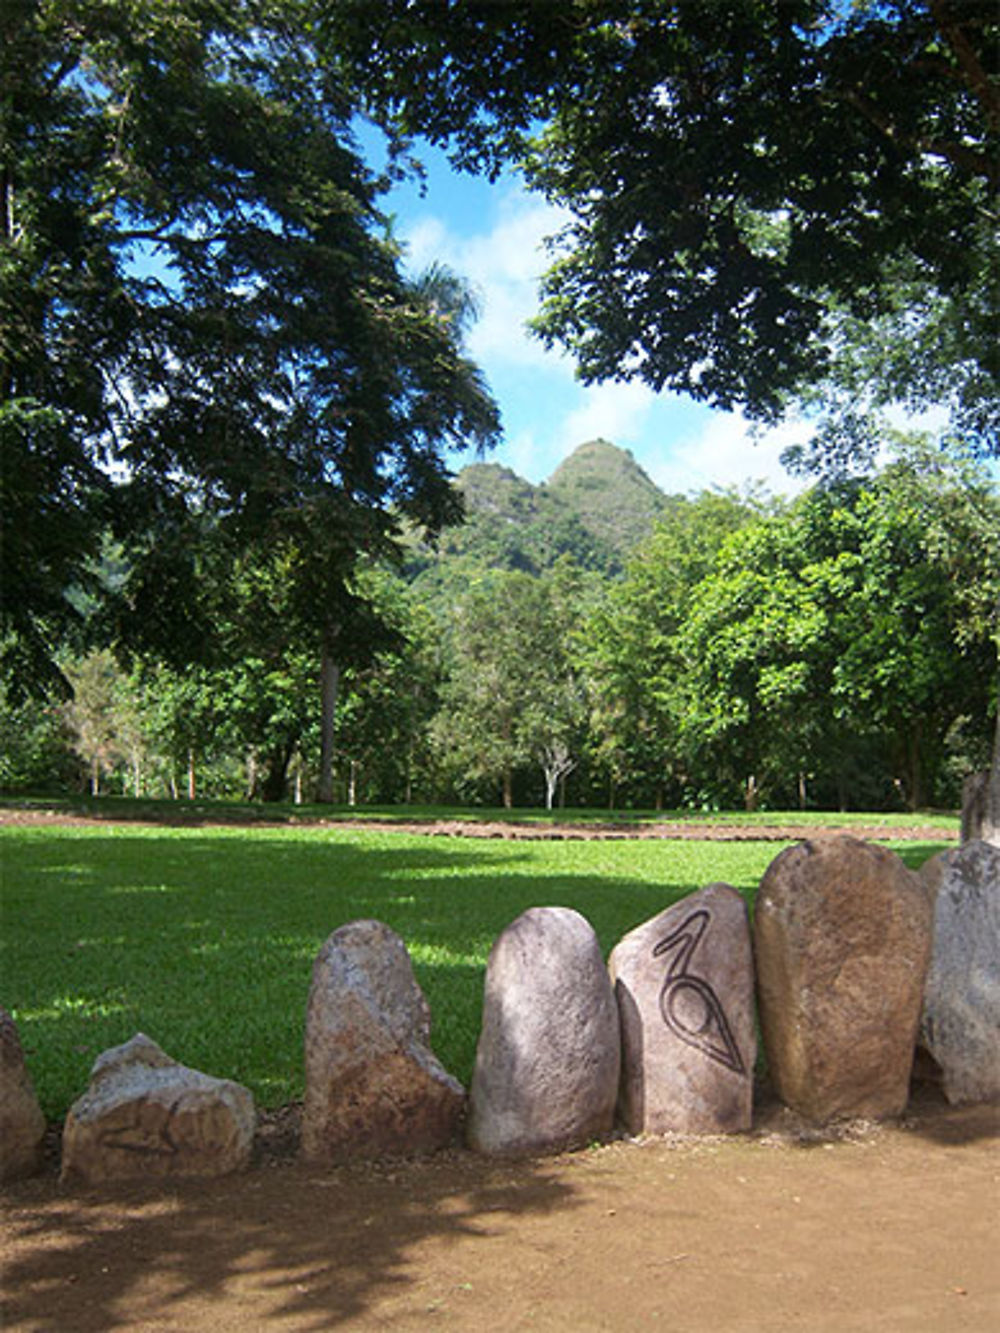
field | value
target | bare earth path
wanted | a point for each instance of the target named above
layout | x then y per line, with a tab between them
708	830
891	1227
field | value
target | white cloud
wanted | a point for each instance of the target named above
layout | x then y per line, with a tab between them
528	456
613	411
426	241
552	414
503	266
727	451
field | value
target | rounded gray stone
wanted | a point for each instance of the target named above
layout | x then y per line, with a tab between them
547	1064
960	1021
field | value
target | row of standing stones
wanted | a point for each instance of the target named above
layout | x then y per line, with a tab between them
853	959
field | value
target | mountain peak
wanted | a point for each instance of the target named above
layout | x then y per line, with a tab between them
613	496
596	506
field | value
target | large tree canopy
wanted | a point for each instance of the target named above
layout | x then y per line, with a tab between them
201	310
766	198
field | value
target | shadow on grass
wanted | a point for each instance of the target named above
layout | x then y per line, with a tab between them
206	942
914	854
286	1244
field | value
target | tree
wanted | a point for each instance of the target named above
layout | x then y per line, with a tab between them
770	204
753	706
383	722
202	317
188	710
745	179
627	644
264	618
554	721
91	715
861	615
34	746
925	646
510	698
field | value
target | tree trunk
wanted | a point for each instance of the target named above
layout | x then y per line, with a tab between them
508	790
352	784
802	791
329	686
95	776
192	783
915	794
981	798
275	783
992	830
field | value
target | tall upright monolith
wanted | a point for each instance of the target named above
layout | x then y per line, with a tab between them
546	1074
842	941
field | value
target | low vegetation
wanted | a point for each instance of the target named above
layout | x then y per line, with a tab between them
204	937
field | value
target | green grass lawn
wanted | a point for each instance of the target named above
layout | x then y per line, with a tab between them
204	937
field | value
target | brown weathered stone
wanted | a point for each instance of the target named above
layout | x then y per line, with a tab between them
684	984
22	1125
960	1021
146	1115
373	1085
842	935
546	1073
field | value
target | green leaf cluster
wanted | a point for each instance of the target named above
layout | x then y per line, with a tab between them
766	200
205	334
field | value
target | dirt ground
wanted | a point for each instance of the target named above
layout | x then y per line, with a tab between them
883	1227
711	830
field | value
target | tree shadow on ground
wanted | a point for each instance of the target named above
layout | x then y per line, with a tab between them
317	1248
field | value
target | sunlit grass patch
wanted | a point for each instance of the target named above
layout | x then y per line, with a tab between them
205	938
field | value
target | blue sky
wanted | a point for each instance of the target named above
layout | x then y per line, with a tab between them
493	236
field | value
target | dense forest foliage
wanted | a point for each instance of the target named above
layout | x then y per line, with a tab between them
836	650
231	561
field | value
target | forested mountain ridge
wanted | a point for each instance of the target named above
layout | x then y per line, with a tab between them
595	508
614	498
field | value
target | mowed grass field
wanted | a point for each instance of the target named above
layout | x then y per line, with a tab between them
204	938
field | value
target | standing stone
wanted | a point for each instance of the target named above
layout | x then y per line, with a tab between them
975	799
960	1022
373	1085
546	1073
22	1125
842	937
684	984
146	1115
